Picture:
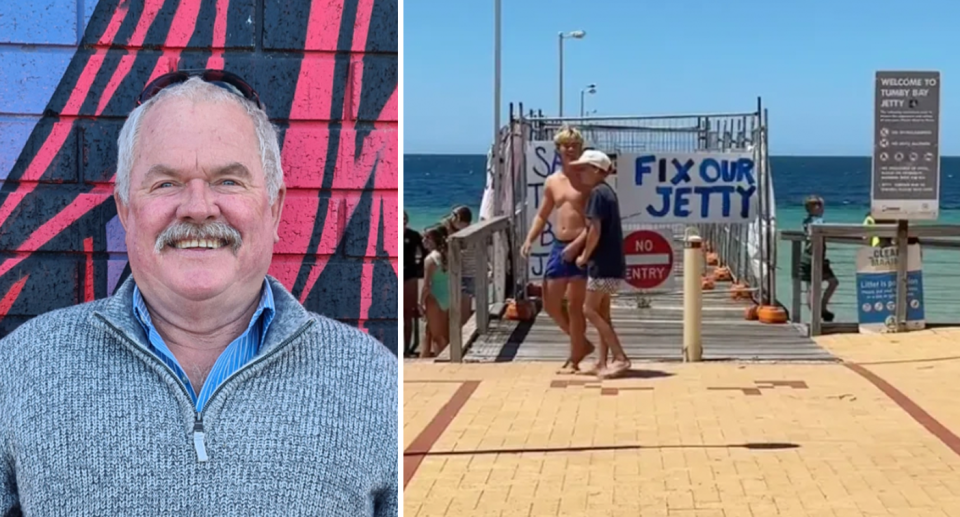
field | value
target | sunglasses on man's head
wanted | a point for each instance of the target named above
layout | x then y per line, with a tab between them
226	80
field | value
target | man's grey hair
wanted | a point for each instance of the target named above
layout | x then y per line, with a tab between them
197	90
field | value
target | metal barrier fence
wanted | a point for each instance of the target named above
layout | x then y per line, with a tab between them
749	253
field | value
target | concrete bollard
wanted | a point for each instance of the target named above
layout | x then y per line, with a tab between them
692	299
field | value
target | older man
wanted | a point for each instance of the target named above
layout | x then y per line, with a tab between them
202	387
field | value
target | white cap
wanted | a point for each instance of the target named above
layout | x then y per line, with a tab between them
596	158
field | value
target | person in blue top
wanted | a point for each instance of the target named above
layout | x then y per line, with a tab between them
603	258
814	206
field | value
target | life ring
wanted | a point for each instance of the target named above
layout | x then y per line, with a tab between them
706	283
712	258
750	313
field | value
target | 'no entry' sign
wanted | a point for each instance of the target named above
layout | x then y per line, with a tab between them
649	257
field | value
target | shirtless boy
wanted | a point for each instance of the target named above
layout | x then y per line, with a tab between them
562	191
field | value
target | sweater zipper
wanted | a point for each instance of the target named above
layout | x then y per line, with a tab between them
199	444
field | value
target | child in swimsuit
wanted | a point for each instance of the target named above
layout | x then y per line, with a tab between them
435	294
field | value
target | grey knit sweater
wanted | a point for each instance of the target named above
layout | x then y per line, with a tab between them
93	424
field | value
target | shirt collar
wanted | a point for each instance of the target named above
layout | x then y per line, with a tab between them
266	308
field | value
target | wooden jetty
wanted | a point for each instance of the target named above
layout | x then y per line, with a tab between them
654	333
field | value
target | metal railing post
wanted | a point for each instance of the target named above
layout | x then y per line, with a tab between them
902	265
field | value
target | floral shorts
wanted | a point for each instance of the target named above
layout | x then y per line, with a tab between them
604	285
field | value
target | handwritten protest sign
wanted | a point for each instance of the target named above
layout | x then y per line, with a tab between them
542	160
687	188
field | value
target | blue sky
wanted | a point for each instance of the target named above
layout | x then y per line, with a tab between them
813	63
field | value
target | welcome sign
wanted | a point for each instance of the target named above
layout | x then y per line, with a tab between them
688	188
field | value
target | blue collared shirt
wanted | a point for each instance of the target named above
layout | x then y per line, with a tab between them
237	353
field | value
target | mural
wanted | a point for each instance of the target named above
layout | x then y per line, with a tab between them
326	71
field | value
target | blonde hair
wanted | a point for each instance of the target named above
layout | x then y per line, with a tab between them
568	134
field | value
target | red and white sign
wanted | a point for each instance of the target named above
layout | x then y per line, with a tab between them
649	256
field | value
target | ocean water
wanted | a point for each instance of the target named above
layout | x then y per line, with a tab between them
433	184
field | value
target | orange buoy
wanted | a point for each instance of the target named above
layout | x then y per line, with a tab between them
772	314
706	283
739	291
712	258
722	274
519	311
750	314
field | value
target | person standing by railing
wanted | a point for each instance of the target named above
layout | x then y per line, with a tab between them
413	255
435	293
460	218
815	208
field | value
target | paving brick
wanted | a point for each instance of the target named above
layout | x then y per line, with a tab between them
850	457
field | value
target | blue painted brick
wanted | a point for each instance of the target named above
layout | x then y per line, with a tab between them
29	78
39	21
14	132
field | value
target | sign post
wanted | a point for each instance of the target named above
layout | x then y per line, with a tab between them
906	150
649	257
905	184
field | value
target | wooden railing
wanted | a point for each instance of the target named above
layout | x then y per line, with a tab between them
934	237
476	241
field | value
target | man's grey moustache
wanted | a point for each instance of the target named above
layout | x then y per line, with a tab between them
216	230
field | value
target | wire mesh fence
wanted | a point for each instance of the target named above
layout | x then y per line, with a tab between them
665	134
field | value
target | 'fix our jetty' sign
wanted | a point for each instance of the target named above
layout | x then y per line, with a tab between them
688	188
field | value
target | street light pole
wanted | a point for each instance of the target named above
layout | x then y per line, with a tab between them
561	75
573	34
591	88
497	180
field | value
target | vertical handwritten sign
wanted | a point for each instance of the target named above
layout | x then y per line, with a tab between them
687	188
542	160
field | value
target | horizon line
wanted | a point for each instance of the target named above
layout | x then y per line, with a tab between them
673	152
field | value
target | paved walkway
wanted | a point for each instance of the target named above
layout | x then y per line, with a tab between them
874	436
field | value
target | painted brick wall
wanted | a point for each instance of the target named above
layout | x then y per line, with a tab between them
327	72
